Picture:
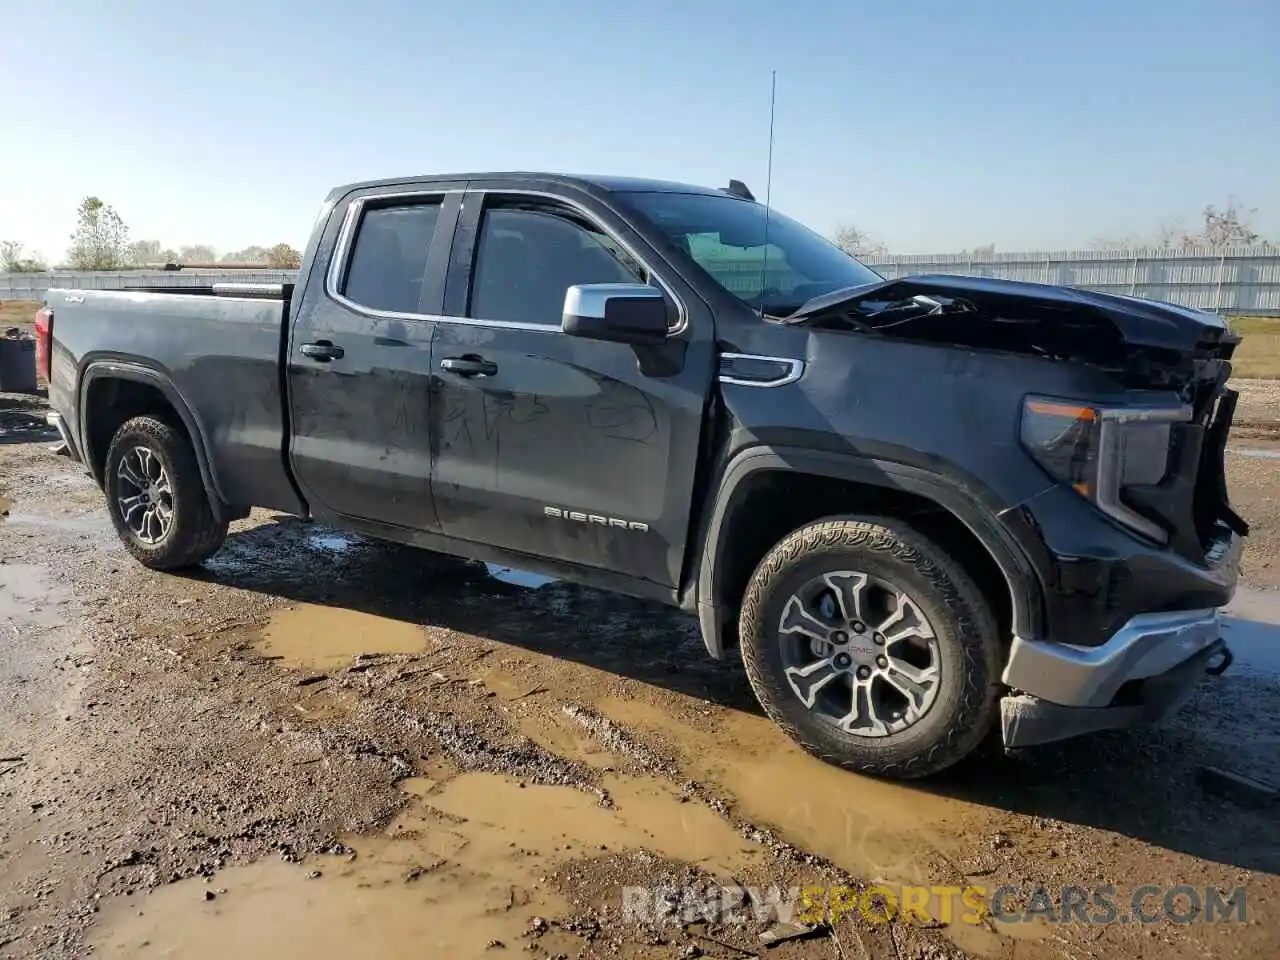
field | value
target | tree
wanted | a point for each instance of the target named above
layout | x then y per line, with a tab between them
145	252
12	260
197	253
858	243
250	254
1228	227
284	257
101	240
1171	233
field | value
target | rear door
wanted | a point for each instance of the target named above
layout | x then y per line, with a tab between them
556	447
359	362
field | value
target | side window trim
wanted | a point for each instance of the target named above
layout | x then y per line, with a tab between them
449	201
467	244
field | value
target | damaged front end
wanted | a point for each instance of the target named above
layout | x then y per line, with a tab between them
1144	344
1157	469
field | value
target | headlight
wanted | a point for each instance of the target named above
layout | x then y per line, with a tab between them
1099	451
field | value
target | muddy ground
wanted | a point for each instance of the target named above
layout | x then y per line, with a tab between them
320	746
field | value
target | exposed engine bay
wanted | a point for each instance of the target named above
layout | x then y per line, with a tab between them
1146	345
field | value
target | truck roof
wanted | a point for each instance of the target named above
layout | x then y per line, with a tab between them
591	184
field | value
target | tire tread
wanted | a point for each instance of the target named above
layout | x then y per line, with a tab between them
197	534
972	621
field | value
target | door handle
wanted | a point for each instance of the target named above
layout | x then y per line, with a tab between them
323	351
469	365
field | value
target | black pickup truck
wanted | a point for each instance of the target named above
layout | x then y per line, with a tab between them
917	508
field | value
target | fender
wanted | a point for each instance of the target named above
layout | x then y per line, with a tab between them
962	499
139	373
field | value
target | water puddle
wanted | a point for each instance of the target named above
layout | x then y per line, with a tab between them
460	868
325	638
87	526
565	737
1252	628
874	829
1257	454
34	636
880	831
646	814
521	578
331	542
27	599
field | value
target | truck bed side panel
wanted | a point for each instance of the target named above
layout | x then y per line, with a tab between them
221	355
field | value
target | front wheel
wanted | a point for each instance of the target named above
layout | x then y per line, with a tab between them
871	647
156	497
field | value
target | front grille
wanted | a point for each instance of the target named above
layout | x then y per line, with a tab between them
1191	504
1212	506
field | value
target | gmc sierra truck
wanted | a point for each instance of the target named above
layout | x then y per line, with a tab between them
918	509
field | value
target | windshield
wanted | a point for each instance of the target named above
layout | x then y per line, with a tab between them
725	237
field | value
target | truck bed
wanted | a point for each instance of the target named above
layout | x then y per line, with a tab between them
220	347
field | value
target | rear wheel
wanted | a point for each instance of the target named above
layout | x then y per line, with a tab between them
156	497
871	647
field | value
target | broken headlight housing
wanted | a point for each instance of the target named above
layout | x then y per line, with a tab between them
1099	451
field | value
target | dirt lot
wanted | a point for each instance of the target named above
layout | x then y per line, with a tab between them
322	746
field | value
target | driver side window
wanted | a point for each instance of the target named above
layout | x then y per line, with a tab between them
528	256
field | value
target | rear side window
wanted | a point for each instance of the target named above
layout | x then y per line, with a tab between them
389	257
530	254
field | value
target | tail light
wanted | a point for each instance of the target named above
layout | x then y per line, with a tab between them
44	343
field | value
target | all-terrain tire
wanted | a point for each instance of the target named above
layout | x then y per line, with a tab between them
965	705
194	534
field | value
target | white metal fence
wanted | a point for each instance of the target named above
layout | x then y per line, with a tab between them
1238	280
1243	280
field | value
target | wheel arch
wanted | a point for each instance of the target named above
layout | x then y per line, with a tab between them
99	375
734	544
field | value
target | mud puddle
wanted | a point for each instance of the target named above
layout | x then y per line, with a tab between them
332	542
325	638
876	830
462	867
26	597
1252	628
871	828
93	528
32	609
88	523
520	578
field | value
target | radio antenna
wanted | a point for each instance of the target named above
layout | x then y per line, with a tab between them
768	188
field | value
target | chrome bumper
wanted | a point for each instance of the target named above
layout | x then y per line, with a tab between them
1148	645
1061	691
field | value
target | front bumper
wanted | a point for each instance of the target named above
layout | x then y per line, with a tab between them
1094	577
1141	674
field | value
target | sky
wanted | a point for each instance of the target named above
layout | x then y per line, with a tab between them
932	126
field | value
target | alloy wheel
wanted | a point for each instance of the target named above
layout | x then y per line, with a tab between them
859	653
144	495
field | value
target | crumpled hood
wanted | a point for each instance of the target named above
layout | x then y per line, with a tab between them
1012	306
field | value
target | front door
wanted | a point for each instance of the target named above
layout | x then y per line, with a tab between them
549	445
360	361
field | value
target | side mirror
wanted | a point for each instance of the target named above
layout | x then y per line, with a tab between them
634	313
